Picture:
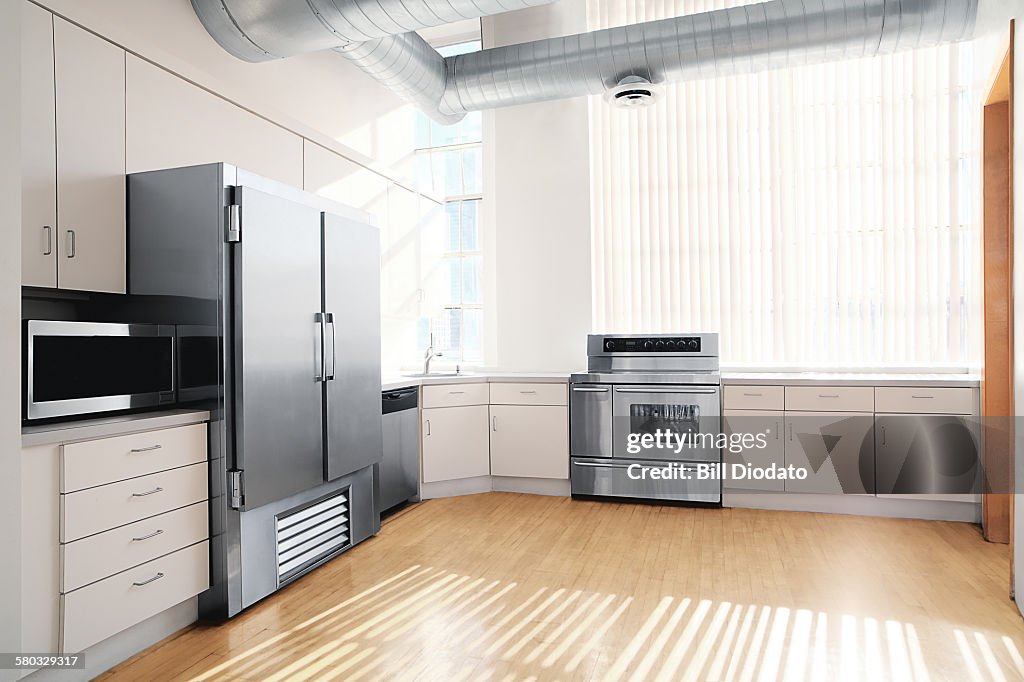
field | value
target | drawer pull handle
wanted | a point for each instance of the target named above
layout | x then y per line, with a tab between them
151	580
428	428
456	392
154	491
528	392
158	531
753	395
922	397
828	395
149	449
494	423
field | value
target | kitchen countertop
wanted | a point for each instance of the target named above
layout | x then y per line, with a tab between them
391	382
104	427
849	379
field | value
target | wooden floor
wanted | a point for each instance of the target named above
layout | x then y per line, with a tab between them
512	587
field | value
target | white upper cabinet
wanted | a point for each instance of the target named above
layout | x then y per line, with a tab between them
171	123
89	79
38	150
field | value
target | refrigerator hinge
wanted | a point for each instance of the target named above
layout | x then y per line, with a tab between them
236	491
234	227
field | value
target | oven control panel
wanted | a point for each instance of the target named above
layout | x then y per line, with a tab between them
653	344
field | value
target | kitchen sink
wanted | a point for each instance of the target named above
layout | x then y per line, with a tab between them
421	375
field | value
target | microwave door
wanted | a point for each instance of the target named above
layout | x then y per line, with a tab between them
278	357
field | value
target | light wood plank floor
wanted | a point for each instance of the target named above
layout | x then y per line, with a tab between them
511	587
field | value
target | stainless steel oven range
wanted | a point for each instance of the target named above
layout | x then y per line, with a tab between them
645	419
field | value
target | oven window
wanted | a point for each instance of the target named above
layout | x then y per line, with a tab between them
679	419
69	367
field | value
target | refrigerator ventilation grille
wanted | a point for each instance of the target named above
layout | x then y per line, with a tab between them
310	534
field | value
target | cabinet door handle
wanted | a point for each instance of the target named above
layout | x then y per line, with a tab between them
48	231
455	392
71	244
494	423
154	491
528	392
753	395
158	531
828	395
883	435
778	427
427	423
149	449
922	397
151	580
791	431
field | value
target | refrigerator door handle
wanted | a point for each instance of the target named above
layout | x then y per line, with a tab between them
330	369
318	347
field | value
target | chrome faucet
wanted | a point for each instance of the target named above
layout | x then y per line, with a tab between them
429	355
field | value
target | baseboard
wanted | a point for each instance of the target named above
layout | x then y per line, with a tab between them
116	649
558	487
458	486
860	505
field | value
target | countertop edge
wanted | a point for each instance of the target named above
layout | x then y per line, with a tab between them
68	432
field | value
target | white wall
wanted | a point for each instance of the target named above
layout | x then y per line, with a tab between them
10	329
537	187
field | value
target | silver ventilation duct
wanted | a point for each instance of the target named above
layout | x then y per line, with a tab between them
259	30
768	35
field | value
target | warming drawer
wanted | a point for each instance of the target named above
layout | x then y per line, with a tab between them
611	478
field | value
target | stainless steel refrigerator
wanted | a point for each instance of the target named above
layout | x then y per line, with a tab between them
290	282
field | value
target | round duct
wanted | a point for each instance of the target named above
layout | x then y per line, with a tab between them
633	92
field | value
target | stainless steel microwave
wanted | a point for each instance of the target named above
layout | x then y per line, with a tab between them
81	368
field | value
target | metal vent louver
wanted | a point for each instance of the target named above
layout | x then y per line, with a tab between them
310	534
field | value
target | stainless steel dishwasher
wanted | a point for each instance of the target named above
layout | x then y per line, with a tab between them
399	469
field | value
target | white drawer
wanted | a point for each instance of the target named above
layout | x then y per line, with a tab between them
924	400
754	397
830	398
93	613
529	394
99	556
454	395
95	510
108	460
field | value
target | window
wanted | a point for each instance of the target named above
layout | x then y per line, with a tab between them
449	165
824	216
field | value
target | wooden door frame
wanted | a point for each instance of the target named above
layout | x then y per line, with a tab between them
997	286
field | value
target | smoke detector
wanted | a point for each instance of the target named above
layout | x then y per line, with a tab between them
633	92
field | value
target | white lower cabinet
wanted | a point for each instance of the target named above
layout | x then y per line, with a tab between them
836	449
530	441
455	443
754	422
100	559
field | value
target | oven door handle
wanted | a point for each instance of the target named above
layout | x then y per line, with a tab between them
589	389
705	391
609	465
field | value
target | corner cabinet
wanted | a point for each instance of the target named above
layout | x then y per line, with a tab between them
73	168
454	432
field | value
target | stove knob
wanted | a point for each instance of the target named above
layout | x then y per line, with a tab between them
648	345
671	344
660	345
609	345
691	344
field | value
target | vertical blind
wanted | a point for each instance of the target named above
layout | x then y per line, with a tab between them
820	216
